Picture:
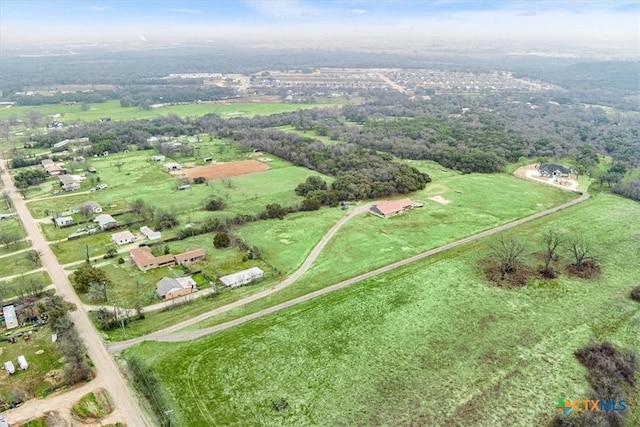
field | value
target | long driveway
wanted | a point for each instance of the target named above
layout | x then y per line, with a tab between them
170	334
108	375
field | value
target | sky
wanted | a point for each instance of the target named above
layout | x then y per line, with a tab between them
604	23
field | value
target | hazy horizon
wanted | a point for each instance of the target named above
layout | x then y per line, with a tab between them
610	25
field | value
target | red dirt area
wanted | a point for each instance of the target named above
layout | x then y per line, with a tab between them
224	170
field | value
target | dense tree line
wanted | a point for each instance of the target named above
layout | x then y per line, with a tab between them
360	173
630	190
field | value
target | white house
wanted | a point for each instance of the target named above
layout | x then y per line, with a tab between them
63	221
157	158
242	277
150	234
123	237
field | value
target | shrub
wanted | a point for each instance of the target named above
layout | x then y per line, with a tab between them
635	293
221	240
121	260
214	205
606	364
199	180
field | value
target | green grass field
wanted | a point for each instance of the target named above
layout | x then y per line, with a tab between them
309	134
10	289
431	343
16	264
31	381
115	111
368	242
13	226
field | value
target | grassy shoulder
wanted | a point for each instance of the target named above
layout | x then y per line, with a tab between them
94	405
431	343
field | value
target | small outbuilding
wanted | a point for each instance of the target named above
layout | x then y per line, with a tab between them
157	158
8	366
242	277
22	362
390	208
10	318
171	167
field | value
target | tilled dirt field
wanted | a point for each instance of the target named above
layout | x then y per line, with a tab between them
223	170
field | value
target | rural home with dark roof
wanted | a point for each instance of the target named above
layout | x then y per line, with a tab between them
63	221
390	208
51	168
69	183
169	288
551	170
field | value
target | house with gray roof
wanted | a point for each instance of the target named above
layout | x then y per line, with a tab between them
168	287
106	222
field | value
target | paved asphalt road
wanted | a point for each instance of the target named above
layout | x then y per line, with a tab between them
108	374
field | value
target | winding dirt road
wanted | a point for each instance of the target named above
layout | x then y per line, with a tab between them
169	334
108	375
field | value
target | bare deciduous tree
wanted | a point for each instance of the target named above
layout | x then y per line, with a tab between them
581	250
552	240
507	251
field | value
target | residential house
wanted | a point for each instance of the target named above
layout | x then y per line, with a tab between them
552	171
123	237
390	208
69	183
143	258
106	222
63	221
242	277
10	318
157	158
150	234
93	207
168	287
168	167
189	257
51	168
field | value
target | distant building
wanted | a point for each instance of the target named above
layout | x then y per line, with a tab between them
93	207
551	170
63	221
168	167
184	187
51	168
168	287
157	158
106	222
390	208
242	277
123	238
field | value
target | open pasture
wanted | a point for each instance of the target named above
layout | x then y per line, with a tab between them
223	170
115	111
22	284
431	343
18	263
368	242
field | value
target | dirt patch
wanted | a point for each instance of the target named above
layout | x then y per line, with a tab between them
440	199
516	278
589	270
223	170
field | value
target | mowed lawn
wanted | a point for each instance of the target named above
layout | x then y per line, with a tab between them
431	343
115	111
139	178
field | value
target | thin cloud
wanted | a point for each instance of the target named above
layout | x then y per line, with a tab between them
356	11
186	11
95	8
285	9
